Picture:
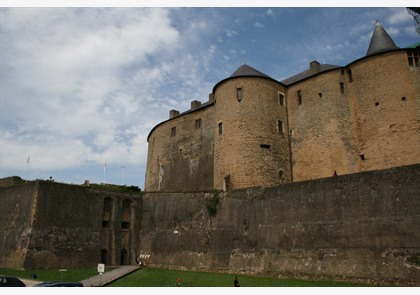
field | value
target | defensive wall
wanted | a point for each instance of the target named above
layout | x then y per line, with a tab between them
45	224
363	226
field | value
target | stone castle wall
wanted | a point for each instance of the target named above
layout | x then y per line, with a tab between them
385	98
46	224
363	226
16	222
182	158
350	119
321	127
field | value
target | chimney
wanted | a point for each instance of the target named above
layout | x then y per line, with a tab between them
315	67
211	97
173	113
195	104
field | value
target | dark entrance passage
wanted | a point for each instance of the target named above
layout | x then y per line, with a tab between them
104	256
124	257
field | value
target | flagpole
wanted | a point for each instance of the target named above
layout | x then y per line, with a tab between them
122	177
104	172
27	161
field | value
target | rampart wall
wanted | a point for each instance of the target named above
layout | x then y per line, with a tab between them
363	226
16	222
45	224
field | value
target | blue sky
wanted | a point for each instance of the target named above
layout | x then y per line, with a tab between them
81	87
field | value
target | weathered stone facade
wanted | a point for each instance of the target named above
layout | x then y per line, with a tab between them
45	224
362	226
329	120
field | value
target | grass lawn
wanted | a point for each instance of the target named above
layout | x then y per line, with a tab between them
154	277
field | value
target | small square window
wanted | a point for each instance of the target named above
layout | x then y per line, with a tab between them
239	94
280	126
342	88
197	123
299	97
281	99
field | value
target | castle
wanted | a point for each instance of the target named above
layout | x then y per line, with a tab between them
244	183
329	120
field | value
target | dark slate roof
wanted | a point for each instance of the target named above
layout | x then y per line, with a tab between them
245	70
380	41
307	73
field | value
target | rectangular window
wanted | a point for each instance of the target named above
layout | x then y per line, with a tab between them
280	127
299	97
197	123
342	87
281	99
239	93
173	131
220	128
413	58
350	76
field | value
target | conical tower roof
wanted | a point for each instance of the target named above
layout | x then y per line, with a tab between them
380	41
245	70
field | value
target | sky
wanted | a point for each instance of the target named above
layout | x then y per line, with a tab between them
82	87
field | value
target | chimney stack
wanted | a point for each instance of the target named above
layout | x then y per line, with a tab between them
315	67
195	104
173	113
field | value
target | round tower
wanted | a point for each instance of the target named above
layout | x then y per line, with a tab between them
251	145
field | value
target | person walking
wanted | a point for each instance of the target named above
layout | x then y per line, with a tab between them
236	282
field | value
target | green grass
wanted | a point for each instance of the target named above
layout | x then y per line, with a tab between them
154	277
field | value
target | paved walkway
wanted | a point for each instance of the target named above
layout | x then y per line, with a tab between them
109	276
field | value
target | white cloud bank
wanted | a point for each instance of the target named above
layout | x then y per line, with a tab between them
78	85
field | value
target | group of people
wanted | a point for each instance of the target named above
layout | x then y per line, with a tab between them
139	262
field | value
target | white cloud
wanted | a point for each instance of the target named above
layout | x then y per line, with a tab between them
231	33
67	72
399	16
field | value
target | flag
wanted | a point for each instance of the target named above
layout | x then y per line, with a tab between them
27	161
105	167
